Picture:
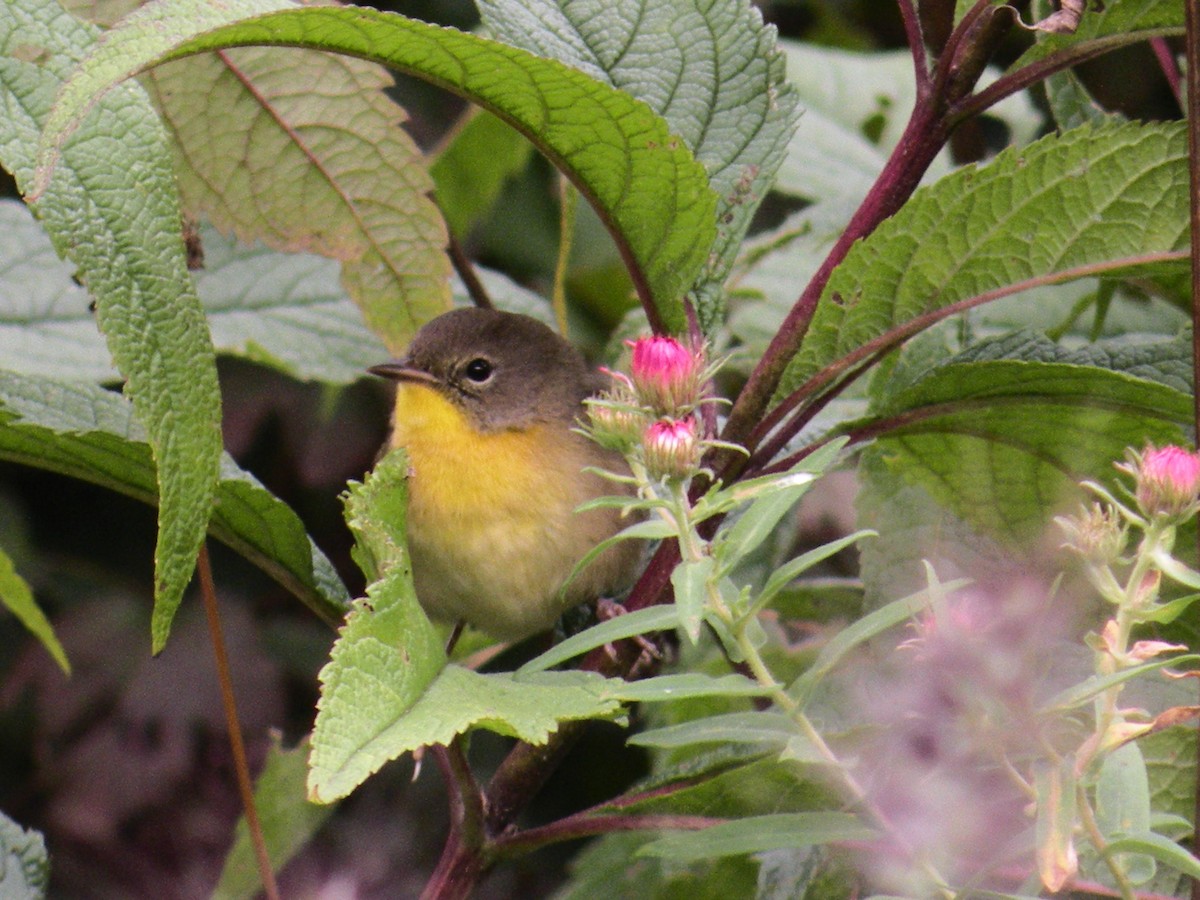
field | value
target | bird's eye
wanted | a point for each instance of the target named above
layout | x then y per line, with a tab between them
478	370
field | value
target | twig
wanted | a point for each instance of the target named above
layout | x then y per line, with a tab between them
241	767
467	274
1170	67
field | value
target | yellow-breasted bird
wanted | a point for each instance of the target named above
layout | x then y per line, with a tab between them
486	403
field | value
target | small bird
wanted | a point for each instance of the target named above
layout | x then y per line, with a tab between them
486	406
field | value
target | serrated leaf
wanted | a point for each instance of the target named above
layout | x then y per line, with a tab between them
639	621
116	216
1089	201
481	156
17	597
770	728
756	834
528	708
711	69
288	821
644	183
387	653
1005	442
305	152
24	864
86	432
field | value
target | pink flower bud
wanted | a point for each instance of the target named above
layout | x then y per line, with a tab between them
1167	481
666	374
670	448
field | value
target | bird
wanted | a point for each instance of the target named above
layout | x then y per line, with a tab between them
488	405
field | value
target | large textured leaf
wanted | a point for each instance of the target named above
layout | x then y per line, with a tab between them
711	69
286	310
642	180
304	152
1109	25
1088	201
89	433
112	209
1002	434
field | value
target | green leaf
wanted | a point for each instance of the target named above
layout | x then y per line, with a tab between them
17	596
1109	26
643	182
761	517
1004	442
86	432
1086	690
1163	849
1123	806
782	577
690	581
626	625
288	821
864	629
760	833
24	864
116	216
711	69
387	653
1088	202
769	728
482	155
305	151
664	688
284	310
528	708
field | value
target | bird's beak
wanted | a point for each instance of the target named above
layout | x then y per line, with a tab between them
400	370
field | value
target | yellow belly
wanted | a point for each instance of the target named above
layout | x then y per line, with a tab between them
491	521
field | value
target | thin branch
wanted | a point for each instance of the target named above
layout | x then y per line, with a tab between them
916	45
583	825
241	767
467	274
1170	67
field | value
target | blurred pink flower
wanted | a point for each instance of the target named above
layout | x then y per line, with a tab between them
666	374
1167	481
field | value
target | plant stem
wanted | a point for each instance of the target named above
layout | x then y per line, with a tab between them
1088	820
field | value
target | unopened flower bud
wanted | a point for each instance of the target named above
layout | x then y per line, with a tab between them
1097	533
616	423
670	448
1167	481
666	375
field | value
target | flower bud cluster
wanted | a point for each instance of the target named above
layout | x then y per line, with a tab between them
1166	481
652	411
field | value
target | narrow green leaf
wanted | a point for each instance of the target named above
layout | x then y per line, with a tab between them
718	80
305	151
760	519
864	629
1123	806
387	653
86	432
765	727
690	580
24	864
652	529
642	180
1089	201
116	215
785	574
1097	684
757	834
288	820
640	621
1163	849
17	596
680	687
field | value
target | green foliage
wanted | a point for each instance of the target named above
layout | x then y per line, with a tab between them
117	217
16	595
